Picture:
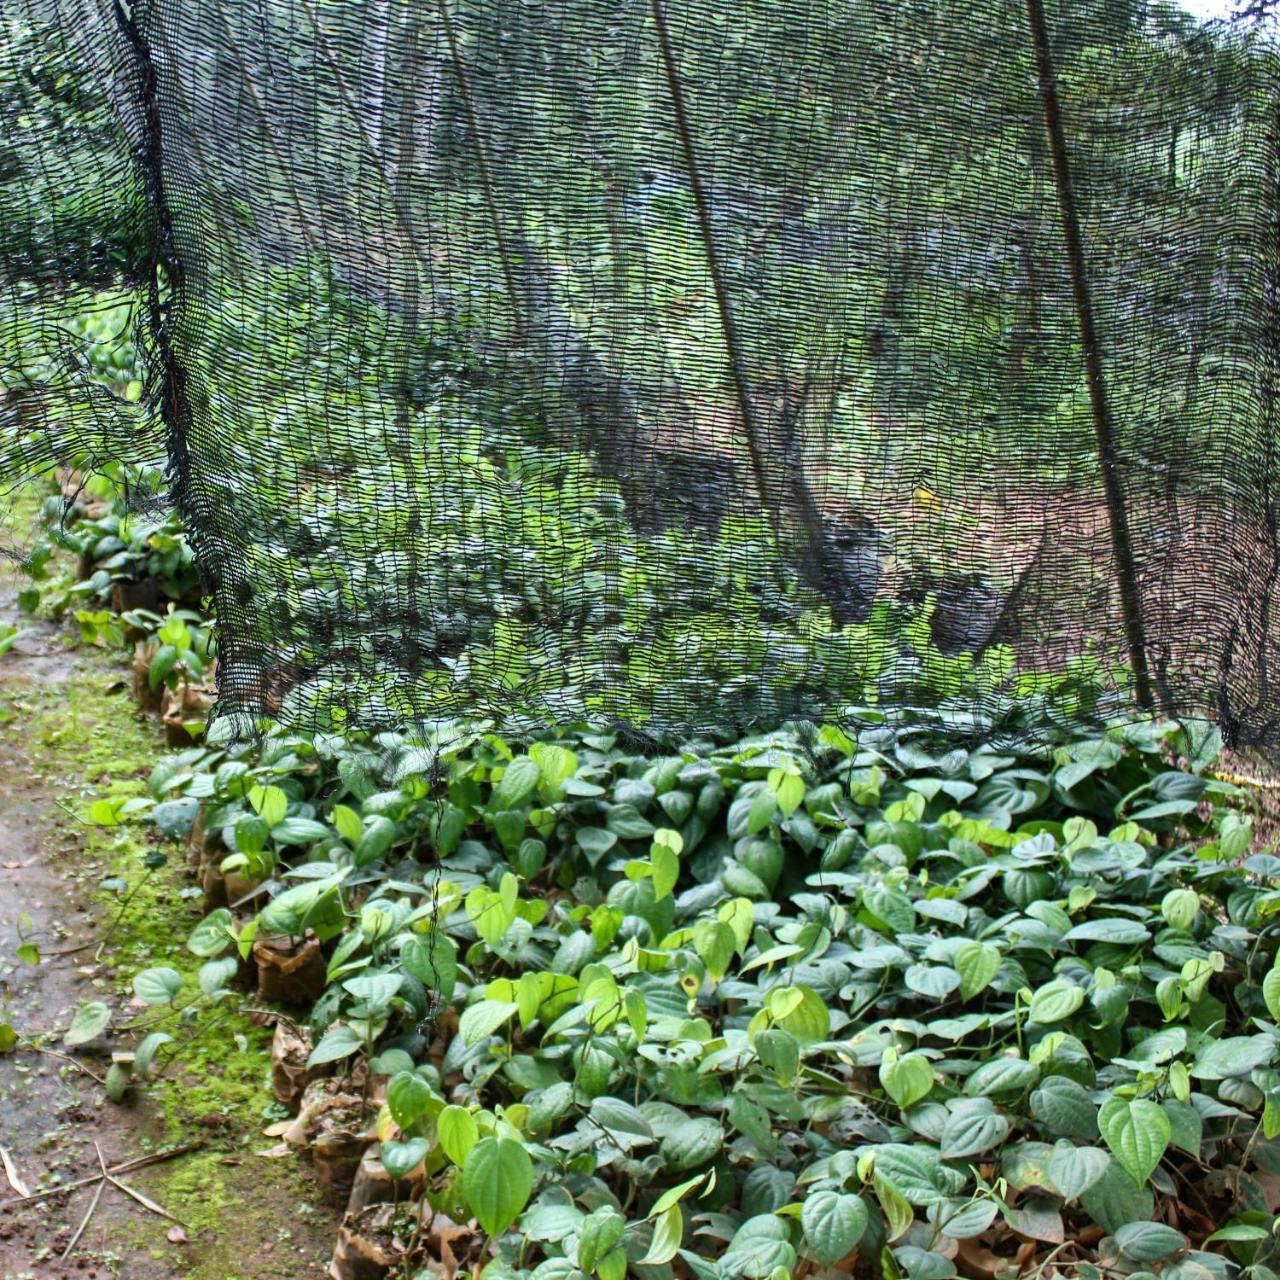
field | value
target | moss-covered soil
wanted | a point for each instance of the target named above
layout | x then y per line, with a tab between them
69	734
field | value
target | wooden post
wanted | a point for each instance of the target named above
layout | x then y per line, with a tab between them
482	163
756	448
1103	427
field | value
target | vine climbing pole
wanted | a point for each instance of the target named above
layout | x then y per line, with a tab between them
1103	426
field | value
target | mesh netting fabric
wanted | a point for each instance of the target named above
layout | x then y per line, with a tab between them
673	364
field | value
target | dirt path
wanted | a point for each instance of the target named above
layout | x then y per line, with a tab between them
68	734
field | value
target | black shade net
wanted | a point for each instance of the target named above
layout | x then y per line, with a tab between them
671	364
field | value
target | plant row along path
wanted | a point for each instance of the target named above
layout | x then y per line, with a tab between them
69	735
816	1002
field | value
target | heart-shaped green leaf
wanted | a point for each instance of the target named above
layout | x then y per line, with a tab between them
457	1131
90	1022
497	1178
1137	1132
400	1159
906	1080
976	963
1073	1170
408	1098
833	1225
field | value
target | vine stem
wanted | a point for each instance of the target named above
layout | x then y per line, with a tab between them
111	928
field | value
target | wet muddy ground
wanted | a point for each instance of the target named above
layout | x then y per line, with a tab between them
68	732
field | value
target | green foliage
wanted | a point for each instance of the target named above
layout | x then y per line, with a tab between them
81	220
921	991
145	555
724	1008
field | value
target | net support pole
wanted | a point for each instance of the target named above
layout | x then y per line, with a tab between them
482	162
1103	426
728	327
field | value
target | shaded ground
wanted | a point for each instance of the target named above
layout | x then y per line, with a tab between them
68	735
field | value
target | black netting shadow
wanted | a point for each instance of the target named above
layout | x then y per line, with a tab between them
672	365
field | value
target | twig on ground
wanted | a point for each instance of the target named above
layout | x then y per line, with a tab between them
11	1172
111	928
144	1201
93	1204
62	1057
127	1167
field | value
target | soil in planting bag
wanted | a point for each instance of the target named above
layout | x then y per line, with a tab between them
291	971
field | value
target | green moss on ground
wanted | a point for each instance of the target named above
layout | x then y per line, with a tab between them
246	1216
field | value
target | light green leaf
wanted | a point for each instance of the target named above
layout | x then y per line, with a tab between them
892	907
764	804
346	822
119	1075
90	1022
549	1218
497	1179
600	1231
1065	1108
906	1080
917	1172
146	1051
1112	929
789	789
808	1020
556	765
212	936
374	991
519	781
269	803
759	1246
1055	1001
484	1018
215	974
933	980
1180	907
1002	1075
715	943
976	963
157	986
1239	1232
666	870
898	1212
673	1195
965	1219
971	1128
408	1098
457	1132
1137	1132
1271	993
613	1266
668	1232
693	1143
1234	1056
624	1123
338	1042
